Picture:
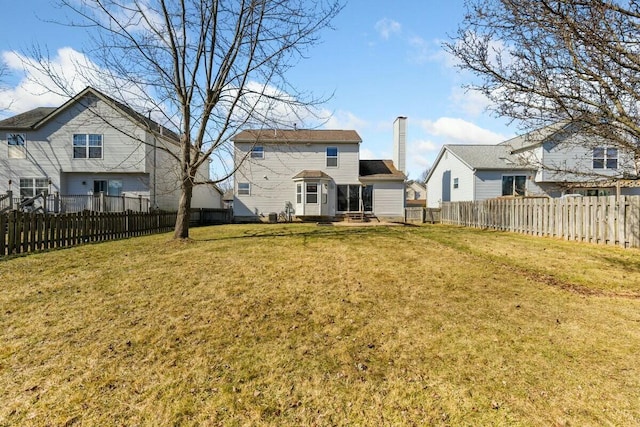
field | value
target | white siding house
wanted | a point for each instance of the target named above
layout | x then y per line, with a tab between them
313	173
93	144
552	161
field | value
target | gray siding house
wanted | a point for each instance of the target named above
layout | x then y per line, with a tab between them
552	161
93	144
313	173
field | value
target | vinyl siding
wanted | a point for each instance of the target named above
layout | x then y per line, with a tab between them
271	178
574	152
124	156
388	199
440	184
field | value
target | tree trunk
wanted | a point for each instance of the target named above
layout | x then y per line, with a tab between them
181	230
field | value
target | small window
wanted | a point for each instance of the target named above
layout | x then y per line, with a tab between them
312	193
605	158
29	187
87	146
244	188
257	152
455	182
298	193
17	145
332	157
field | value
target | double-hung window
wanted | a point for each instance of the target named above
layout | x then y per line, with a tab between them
312	193
29	187
87	146
257	152
514	185
332	157
605	158
17	145
244	189
298	193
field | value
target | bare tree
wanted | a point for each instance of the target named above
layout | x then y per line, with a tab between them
542	62
210	67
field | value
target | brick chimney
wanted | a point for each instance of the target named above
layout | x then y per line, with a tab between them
400	144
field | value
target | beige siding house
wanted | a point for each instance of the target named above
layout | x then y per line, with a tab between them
312	174
93	144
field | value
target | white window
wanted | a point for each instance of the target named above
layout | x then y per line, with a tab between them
455	183
332	157
244	188
17	145
312	193
514	185
257	152
87	146
605	158
29	187
298	193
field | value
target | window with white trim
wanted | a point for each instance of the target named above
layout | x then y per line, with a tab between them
257	152
17	145
332	157
514	185
244	189
312	193
87	146
605	158
29	187
298	193
455	183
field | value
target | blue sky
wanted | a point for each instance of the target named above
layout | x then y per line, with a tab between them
383	59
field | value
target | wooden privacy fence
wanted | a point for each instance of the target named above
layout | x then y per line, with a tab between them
421	215
602	220
22	232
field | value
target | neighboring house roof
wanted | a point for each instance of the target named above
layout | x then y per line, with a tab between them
535	137
482	157
380	170
34	119
27	120
486	156
311	174
298	136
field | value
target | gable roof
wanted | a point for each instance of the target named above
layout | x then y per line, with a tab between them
535	137
485	156
380	170
26	120
34	119
298	136
482	157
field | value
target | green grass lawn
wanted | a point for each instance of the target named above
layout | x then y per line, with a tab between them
316	325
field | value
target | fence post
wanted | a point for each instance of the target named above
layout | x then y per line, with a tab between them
56	202
10	195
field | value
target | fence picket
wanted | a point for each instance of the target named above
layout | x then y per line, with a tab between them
601	220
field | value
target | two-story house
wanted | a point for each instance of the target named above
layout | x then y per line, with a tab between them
552	161
93	144
316	173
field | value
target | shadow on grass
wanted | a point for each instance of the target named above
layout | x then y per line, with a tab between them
265	231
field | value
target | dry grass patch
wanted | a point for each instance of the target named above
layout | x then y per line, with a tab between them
307	325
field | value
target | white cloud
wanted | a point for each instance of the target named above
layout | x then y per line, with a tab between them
345	120
471	102
459	131
366	154
386	27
